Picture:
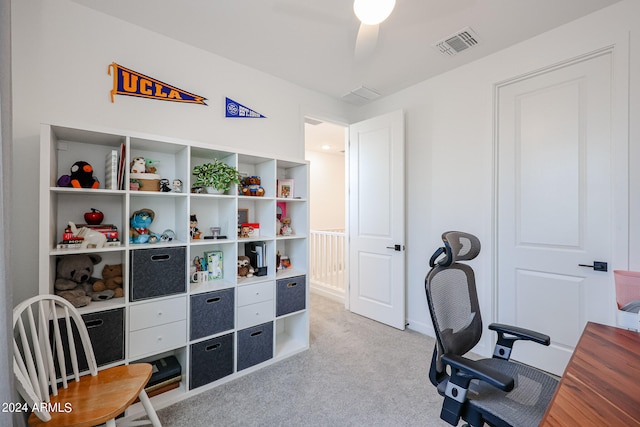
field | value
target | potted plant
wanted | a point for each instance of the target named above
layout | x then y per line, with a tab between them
216	177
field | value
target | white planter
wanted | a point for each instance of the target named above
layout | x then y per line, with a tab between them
212	190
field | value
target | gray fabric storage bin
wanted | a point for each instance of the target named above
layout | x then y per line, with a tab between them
106	330
157	272
211	313
255	345
291	295
211	360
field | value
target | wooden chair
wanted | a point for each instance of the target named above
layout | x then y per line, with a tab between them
69	399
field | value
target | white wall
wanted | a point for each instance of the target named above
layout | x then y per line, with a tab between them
61	52
449	137
60	55
327	198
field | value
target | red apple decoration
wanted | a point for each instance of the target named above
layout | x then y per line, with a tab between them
94	217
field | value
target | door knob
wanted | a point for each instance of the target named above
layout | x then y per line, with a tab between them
597	266
396	248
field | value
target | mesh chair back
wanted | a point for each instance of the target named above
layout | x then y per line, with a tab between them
452	297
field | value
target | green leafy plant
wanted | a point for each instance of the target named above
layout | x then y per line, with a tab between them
218	175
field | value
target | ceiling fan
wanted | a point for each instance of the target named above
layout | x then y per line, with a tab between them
371	14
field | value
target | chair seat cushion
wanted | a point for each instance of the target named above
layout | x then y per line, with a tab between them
525	404
96	399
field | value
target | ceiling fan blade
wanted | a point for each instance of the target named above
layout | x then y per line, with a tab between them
366	41
308	13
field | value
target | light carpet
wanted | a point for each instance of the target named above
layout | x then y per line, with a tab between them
357	372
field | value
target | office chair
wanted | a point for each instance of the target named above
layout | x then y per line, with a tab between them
495	391
74	399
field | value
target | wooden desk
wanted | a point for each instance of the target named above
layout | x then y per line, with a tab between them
601	385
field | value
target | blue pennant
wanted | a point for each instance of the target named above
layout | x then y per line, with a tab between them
234	109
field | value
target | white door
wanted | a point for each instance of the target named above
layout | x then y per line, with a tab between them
376	219
555	206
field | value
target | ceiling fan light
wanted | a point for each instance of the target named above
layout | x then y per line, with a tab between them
373	12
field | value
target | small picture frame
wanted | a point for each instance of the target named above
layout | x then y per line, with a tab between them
214	264
285	188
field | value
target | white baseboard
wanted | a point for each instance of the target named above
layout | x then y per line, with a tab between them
421	327
331	293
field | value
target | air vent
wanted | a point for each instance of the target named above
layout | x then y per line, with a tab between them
458	42
361	95
313	122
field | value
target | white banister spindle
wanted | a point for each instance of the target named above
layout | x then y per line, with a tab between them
328	266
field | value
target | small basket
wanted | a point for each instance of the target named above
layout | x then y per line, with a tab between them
149	184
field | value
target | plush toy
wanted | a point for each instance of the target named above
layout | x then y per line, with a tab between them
150	165
139	231
74	281
244	266
251	186
111	279
138	165
82	176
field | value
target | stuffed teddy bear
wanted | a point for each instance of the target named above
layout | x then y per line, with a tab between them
111	280
82	176
251	186
244	266
74	281
139	231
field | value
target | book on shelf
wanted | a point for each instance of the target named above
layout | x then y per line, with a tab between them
121	167
110	231
111	167
163	387
163	384
257	253
77	245
164	369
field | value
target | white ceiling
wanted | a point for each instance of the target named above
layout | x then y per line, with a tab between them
325	137
311	43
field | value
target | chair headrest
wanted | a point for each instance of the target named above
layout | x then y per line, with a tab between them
458	246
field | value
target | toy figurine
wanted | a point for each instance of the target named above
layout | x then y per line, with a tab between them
164	185
177	186
286	229
194	231
139	231
167	235
150	165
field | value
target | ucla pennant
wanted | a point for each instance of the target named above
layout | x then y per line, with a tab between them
236	110
132	83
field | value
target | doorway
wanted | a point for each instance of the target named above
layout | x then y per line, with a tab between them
325	145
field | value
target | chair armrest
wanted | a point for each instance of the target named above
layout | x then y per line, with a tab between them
505	344
470	369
